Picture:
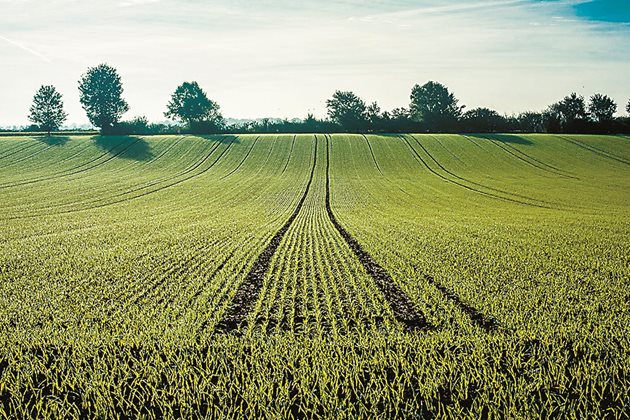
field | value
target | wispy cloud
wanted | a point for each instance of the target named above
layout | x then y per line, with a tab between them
25	48
444	8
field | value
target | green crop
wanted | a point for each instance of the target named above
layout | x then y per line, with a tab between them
183	276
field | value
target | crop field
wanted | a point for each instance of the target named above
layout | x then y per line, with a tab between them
280	276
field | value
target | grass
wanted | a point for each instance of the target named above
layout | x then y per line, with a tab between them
180	276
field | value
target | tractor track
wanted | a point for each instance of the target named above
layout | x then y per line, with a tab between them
18	149
372	153
518	196
243	160
290	154
378	166
469	188
539	166
27	157
249	289
144	194
507	144
595	150
486	323
401	305
74	170
12	149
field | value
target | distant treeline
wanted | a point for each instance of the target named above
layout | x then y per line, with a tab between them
432	108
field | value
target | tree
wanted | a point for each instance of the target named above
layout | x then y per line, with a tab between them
569	113
101	96
483	120
47	109
373	116
602	108
628	107
190	105
531	122
137	125
435	107
347	110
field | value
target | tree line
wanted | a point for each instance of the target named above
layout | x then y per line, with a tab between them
432	108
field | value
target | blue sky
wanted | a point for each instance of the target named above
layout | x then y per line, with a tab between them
604	10
283	58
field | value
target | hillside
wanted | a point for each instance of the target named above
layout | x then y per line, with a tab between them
432	272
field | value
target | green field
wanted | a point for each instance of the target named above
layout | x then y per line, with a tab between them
315	275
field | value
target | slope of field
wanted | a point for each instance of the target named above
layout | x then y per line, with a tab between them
315	275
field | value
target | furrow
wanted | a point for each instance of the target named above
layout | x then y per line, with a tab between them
247	292
595	150
473	182
80	171
127	199
401	305
528	162
290	154
450	181
243	160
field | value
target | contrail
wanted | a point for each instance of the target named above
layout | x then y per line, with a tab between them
25	48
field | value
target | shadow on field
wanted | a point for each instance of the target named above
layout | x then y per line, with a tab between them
53	140
126	147
503	138
220	138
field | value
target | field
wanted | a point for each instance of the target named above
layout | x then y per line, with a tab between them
315	275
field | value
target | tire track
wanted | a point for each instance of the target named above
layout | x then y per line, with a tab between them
488	324
27	157
9	146
45	234
490	195
527	162
507	144
17	149
402	307
290	154
220	267
519	196
249	289
595	150
379	168
126	199
392	292
184	171
244	159
116	154
372	153
56	161
73	170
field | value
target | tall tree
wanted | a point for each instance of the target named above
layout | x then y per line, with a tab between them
374	116
190	105
531	122
483	120
435	107
602	108
347	110
628	107
569	112
101	96
47	109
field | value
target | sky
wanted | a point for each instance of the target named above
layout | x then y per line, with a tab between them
284	58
